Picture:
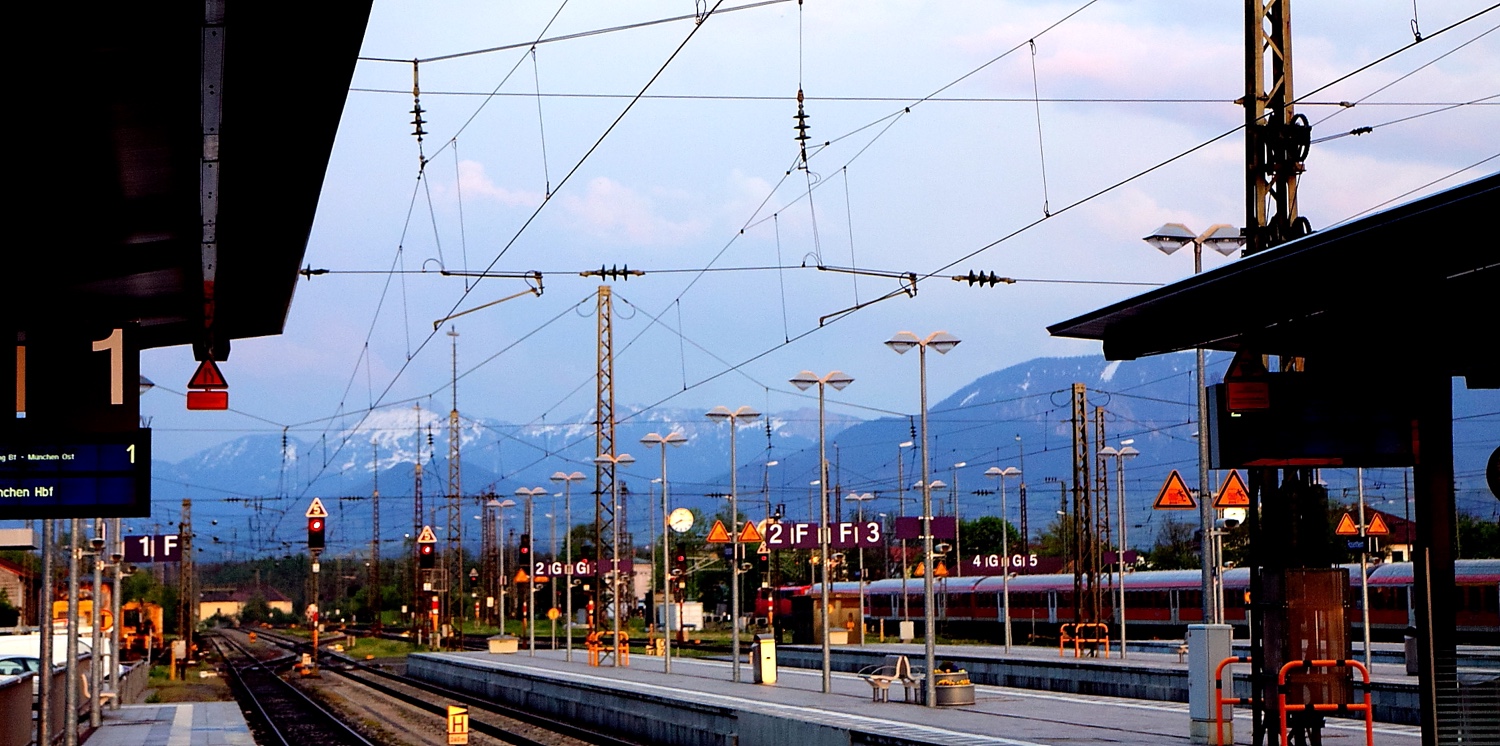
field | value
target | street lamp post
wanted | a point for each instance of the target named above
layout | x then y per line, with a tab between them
958	534
1225	239
1123	452
803	381
901	510
499	507
552	550
903	342
860	500
530	494
653	440
614	460
1000	474
734	418
568	480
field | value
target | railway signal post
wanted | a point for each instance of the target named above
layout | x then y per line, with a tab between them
317	523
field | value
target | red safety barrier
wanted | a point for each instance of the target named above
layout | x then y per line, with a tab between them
1329	707
1220	700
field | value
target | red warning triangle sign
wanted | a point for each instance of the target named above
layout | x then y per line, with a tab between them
1377	527
750	534
718	534
1347	526
208	377
1233	493
1174	495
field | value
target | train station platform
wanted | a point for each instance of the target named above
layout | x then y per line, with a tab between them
1154	672
184	724
697	705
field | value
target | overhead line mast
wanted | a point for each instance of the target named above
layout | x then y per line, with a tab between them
604	443
453	561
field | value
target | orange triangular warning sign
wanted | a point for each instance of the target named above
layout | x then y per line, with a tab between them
1233	493
208	377
718	534
1347	526
521	576
749	533
941	571
316	510
1377	527
426	537
1174	495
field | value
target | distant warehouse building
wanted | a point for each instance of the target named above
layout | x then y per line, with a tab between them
229	602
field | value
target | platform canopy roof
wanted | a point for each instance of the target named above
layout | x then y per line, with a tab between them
107	142
1361	290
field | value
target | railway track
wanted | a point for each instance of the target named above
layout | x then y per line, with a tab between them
508	724
286	715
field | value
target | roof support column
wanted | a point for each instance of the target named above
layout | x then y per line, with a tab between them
1434	588
211	346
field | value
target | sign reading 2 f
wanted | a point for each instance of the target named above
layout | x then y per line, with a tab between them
841	536
158	548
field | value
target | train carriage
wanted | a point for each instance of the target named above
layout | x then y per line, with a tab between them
1158	603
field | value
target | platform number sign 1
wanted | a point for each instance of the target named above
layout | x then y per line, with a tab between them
114	344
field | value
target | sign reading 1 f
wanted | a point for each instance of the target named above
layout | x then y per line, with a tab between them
158	548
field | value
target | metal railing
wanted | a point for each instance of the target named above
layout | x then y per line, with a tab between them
1080	634
1307	666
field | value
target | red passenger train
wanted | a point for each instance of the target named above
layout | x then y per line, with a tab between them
1157	602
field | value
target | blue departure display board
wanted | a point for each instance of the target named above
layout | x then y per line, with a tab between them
103	475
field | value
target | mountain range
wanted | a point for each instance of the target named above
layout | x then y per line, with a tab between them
248	493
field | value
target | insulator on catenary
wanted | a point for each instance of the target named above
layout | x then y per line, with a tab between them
981	278
613	272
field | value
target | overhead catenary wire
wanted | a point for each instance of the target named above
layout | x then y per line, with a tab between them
1041	149
786	335
525	225
1410	192
541	125
458	190
503	80
1410	73
1366	129
697	17
1025	100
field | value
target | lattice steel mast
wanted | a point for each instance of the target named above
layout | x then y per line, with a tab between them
604	443
453	557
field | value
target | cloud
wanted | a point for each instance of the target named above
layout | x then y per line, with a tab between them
474	182
610	209
1107	53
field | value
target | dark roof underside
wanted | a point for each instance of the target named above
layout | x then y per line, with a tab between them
109	221
1429	267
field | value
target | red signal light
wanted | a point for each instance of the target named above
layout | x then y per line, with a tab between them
315	538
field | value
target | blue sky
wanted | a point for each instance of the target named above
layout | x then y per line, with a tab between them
701	174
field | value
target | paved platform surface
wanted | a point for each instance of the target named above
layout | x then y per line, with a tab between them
186	724
1159	657
1002	716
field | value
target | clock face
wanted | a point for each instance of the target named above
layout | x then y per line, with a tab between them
680	520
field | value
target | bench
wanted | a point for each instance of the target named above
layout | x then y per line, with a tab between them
880	677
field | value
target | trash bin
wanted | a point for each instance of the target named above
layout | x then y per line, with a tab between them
763	664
